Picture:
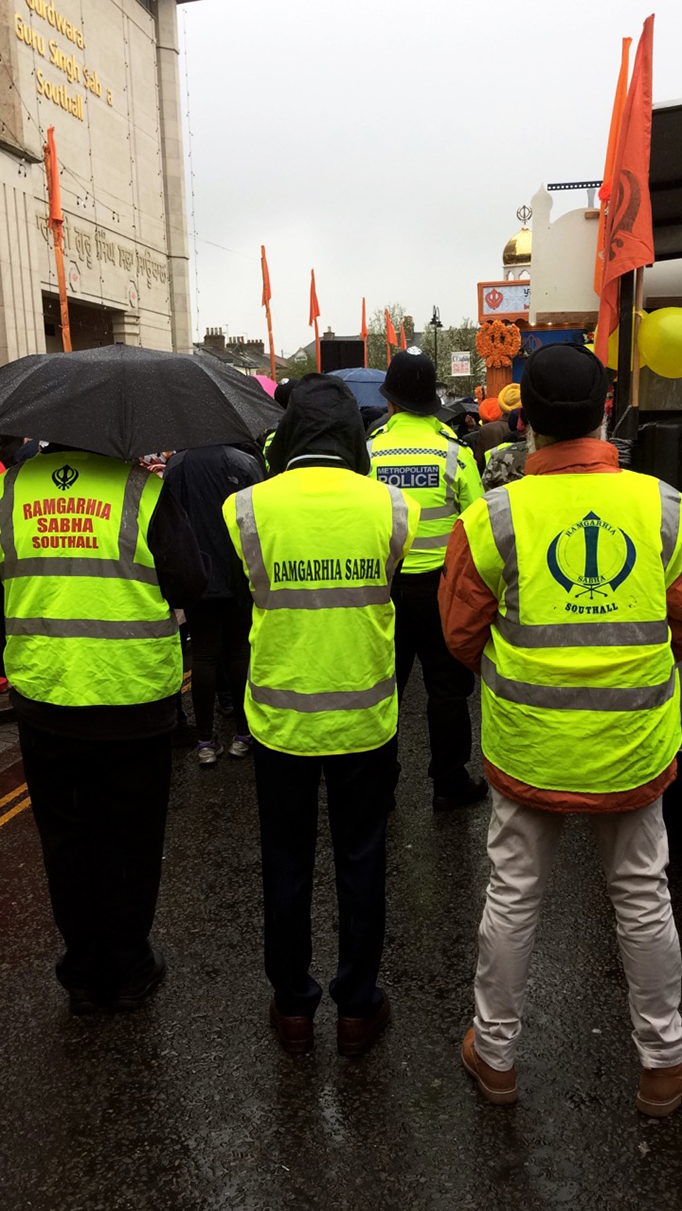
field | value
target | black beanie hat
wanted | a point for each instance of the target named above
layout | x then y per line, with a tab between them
563	391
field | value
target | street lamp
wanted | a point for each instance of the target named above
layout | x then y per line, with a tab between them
435	324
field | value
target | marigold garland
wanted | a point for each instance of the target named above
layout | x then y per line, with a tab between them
497	343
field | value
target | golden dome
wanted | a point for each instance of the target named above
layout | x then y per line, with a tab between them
517	251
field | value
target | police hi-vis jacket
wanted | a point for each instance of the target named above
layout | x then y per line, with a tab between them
421	456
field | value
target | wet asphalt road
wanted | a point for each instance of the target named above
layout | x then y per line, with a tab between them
190	1105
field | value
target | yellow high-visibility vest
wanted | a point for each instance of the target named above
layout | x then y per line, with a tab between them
320	547
85	620
580	691
422	457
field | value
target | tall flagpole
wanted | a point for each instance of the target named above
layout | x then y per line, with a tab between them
267	295
56	223
363	332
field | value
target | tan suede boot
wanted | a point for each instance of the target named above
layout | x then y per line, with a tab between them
499	1088
660	1091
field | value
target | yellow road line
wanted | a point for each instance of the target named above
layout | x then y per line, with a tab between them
18	790
20	807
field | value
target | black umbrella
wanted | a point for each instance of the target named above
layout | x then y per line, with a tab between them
124	401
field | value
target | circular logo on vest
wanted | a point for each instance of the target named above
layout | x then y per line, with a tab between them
65	477
592	556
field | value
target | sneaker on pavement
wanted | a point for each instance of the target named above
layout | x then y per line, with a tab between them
660	1091
208	751
496	1087
129	997
240	747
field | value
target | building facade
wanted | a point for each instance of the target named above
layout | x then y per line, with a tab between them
105	74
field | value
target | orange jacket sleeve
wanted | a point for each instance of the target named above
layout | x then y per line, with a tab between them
467	607
674	600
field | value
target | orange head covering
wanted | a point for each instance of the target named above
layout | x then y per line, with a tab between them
490	410
510	397
478	395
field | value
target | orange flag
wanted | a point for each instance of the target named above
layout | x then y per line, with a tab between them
314	305
629	240
403	342
607	179
363	330
55	193
267	292
314	313
56	225
265	302
391	337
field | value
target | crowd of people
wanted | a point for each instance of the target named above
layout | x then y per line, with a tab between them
310	574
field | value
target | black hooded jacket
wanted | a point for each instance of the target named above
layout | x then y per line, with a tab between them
322	426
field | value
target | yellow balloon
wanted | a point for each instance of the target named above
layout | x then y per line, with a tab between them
660	341
614	340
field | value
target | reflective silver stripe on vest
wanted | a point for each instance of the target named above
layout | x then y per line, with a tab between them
91	628
433	541
437	513
578	698
286	598
450	473
670	521
123	568
251	548
502	526
336	700
398	532
575	634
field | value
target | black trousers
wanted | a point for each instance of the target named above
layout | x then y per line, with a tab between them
100	808
418	632
218	624
357	794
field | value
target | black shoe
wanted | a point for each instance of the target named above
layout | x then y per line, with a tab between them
83	1000
131	996
471	792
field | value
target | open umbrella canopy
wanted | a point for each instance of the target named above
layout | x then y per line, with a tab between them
364	384
268	384
125	401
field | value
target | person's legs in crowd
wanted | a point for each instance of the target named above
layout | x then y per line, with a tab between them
236	628
358	791
205	620
522	844
448	686
633	847
287	787
100	809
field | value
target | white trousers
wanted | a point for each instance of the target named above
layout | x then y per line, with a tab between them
633	847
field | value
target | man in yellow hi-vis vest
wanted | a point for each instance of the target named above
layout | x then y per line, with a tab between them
93	554
415	452
561	588
320	543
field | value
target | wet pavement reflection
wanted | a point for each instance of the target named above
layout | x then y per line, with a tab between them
190	1105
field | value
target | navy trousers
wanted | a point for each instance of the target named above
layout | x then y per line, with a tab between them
358	791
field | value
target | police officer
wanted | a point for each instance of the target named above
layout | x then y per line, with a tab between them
415	452
94	552
320	542
565	589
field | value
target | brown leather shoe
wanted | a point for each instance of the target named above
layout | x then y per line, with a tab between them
355	1035
294	1033
499	1088
660	1091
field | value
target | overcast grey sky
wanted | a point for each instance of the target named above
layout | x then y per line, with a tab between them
389	144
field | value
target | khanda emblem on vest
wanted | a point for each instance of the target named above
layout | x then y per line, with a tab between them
592	556
65	477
